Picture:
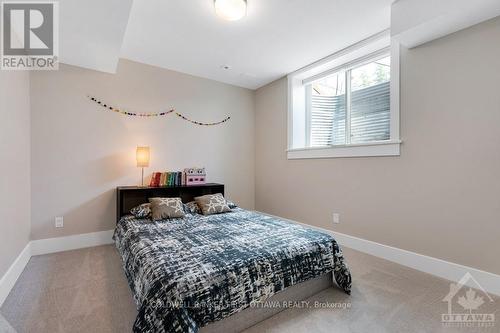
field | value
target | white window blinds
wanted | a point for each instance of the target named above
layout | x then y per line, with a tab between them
358	114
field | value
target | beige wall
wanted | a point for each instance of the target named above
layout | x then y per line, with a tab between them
81	152
14	166
441	197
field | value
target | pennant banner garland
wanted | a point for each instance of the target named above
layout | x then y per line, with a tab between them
157	114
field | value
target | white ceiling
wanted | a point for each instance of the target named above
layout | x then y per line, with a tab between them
414	23
91	32
276	38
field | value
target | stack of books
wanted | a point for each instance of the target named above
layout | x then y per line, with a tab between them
175	178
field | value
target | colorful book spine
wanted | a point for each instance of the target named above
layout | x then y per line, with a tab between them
155	179
151	182
178	178
158	179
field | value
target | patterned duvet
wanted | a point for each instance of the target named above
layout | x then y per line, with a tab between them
186	273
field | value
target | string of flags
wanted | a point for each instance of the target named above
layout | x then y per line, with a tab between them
154	114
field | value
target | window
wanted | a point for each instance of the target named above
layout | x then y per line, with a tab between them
346	105
326	100
352	106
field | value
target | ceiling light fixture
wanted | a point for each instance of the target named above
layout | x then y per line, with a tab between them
231	10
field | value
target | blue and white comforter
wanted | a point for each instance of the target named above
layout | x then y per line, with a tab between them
186	273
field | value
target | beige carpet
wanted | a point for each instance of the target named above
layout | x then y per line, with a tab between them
86	291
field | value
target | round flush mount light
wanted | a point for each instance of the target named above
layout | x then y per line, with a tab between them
231	10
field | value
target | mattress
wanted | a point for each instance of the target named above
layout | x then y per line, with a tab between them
185	273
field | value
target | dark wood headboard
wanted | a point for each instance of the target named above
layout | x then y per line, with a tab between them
127	197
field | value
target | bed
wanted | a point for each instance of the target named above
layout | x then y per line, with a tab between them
186	274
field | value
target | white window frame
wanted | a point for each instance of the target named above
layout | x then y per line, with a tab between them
345	59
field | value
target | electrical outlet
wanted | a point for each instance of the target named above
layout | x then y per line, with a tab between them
59	222
336	218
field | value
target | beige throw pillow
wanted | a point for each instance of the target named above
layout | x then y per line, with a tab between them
212	204
166	208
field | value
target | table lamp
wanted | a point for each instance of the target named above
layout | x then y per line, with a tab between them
142	157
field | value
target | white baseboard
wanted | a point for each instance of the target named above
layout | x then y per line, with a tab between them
10	277
49	245
438	267
59	244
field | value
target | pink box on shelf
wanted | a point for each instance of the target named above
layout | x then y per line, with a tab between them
195	180
195	176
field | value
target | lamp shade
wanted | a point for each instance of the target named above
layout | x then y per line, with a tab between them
142	157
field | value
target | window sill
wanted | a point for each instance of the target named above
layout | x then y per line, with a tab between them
372	149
